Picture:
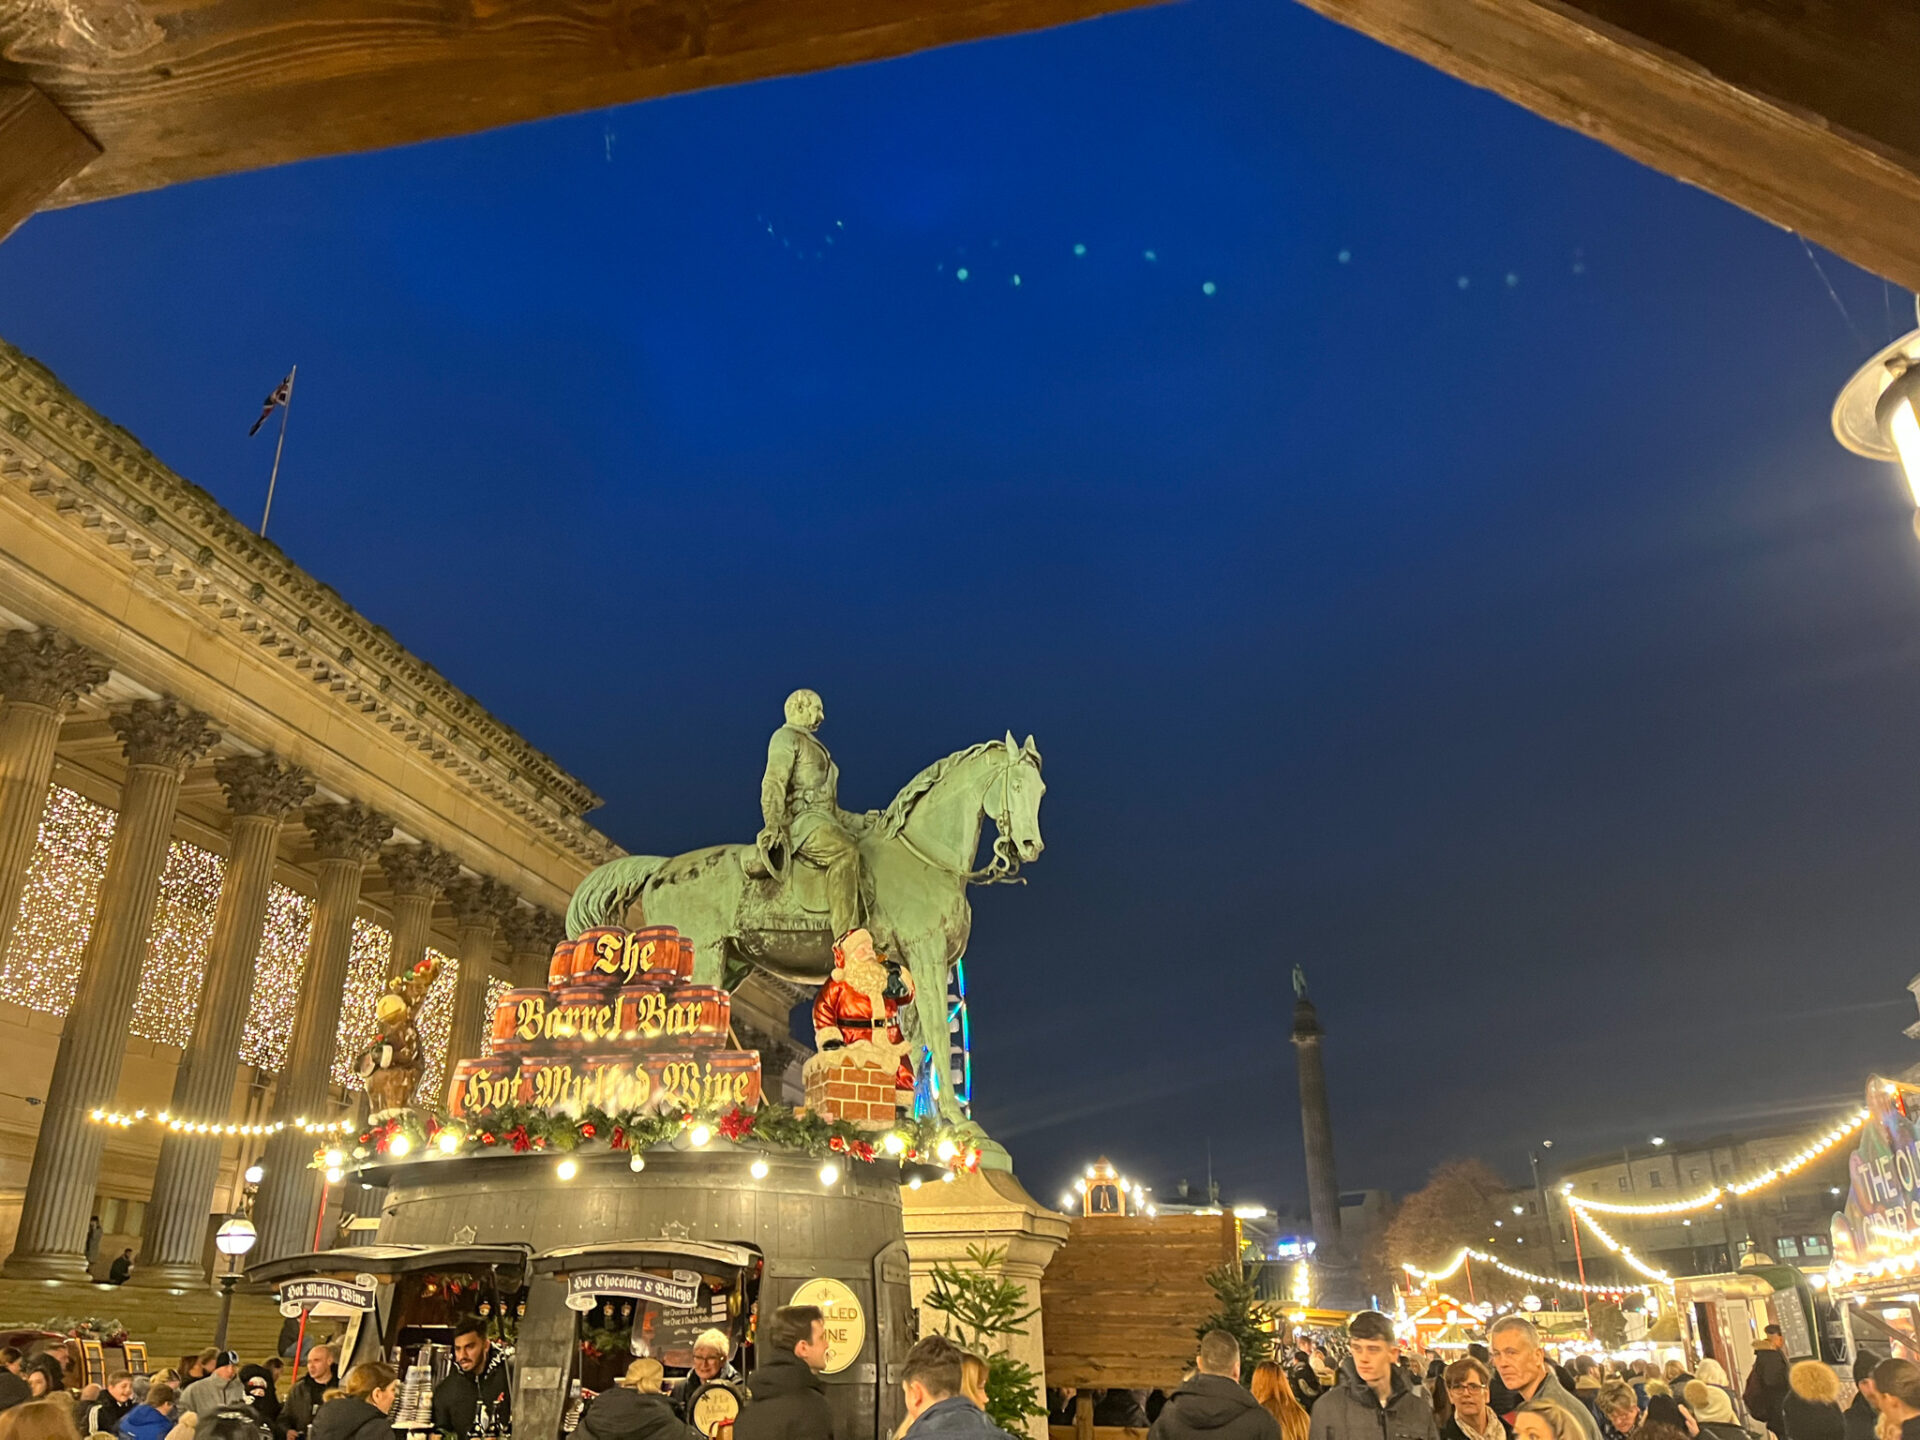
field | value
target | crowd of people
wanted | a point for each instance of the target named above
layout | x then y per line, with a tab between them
1512	1389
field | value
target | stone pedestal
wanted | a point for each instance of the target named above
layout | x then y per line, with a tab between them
847	1090
990	1210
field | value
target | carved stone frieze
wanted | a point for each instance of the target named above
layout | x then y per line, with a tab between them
418	869
532	931
44	667
478	903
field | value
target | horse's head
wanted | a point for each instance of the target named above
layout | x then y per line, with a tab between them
1018	791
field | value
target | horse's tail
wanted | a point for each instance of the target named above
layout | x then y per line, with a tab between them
609	891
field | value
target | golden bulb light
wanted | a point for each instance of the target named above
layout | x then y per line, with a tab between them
758	1169
894	1144
335	1175
699	1135
335	1159
829	1174
448	1141
946	1149
398	1146
637	1163
566	1169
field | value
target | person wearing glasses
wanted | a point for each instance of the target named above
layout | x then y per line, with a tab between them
1467	1385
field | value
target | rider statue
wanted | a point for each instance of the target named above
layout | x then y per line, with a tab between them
800	802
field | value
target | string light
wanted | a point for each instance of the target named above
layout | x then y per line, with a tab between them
369	965
1813	1151
42	967
1435	1277
168	999
121	1120
276	979
1625	1252
496	988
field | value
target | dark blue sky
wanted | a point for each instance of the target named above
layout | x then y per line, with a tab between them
1465	600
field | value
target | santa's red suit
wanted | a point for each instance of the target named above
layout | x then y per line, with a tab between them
844	1015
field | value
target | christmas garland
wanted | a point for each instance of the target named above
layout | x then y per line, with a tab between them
522	1128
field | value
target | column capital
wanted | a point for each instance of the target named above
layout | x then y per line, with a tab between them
418	869
478	903
262	785
532	931
163	733
347	831
44	667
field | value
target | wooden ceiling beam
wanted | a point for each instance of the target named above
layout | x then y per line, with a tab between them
1799	112
40	148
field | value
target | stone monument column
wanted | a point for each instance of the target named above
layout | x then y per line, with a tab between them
477	908
417	874
42	674
346	837
531	936
261	792
162	737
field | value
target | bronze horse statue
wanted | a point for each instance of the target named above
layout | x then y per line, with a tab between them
917	860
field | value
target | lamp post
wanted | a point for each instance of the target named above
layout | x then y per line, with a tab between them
1875	413
234	1238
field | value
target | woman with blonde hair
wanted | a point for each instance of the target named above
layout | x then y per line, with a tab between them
973	1378
1812	1408
1545	1420
1275	1396
360	1412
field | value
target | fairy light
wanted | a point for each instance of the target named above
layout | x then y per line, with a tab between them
1436	1277
1813	1150
178	940
42	966
367	970
277	969
496	988
1625	1252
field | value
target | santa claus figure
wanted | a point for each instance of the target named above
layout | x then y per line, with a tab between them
856	1015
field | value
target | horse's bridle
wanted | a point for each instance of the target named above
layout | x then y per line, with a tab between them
1004	867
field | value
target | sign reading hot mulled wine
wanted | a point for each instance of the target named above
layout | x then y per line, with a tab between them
611	1181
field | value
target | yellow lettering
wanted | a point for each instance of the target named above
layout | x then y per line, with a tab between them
529	1017
647	950
606	952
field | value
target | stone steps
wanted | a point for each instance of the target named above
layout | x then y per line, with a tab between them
171	1323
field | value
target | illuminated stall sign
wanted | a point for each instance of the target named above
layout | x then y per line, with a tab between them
617	1084
355	1294
585	1287
1882	1216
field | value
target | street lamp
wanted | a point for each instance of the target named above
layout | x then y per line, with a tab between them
234	1238
1874	414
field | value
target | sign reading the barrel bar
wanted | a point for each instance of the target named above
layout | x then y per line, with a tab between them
585	1286
298	1295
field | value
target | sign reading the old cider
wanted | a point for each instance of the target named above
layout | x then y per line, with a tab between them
585	1286
618	1028
844	1321
298	1295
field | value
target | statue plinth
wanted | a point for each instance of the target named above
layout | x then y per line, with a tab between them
847	1090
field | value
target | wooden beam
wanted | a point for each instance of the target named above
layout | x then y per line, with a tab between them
1800	112
39	148
190	88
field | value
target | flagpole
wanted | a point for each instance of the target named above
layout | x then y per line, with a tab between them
285	410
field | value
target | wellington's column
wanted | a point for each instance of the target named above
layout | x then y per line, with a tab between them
261	792
477	908
1316	1124
42	674
161	738
346	837
531	936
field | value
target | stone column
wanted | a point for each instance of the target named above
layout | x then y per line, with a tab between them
989	1209
261	792
346	837
477	908
417	875
42	674
162	738
531	936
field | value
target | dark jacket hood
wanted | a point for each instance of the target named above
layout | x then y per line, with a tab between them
782	1375
1211	1402
347	1417
623	1414
1351	1382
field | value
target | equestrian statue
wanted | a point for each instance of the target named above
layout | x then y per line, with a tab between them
816	874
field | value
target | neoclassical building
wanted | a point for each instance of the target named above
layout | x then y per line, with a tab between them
230	807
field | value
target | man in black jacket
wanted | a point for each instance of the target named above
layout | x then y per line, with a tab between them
305	1396
785	1398
1863	1415
479	1376
1372	1400
1214	1405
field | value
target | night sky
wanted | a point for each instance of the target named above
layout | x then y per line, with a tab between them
1465	599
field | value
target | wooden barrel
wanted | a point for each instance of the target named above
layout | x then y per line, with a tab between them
682	1015
507	1016
482	1084
583	1014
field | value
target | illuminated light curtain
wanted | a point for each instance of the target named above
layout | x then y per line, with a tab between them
42	966
436	1027
276	978
495	989
177	945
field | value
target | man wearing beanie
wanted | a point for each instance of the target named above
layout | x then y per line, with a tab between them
219	1389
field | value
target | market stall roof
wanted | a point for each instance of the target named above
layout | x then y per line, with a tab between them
1755	1283
384	1262
613	1253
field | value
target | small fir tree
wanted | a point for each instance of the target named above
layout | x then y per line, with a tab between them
981	1308
1242	1315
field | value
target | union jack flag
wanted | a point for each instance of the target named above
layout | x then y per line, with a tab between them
282	393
